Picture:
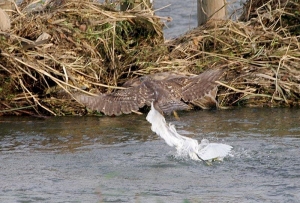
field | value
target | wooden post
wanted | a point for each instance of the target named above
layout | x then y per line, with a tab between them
5	10
136	5
7	6
210	9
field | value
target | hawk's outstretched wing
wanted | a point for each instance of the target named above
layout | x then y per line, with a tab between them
198	86
202	89
167	94
122	101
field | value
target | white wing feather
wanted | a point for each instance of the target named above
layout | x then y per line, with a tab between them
159	126
214	151
185	145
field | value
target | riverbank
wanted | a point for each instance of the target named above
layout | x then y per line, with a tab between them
83	46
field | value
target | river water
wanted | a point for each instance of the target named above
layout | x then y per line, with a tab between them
184	14
119	159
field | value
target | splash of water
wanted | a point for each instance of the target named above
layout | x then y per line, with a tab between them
186	146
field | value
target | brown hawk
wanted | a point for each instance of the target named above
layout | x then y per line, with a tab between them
168	91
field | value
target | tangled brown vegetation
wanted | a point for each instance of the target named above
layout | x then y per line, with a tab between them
68	45
260	53
65	46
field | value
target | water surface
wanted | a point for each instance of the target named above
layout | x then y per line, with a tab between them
183	14
119	159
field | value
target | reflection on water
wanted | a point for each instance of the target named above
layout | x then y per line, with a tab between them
119	159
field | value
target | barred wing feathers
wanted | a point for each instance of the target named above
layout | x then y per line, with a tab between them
122	101
167	93
200	85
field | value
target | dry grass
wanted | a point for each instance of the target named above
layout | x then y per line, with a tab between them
87	46
261	57
90	47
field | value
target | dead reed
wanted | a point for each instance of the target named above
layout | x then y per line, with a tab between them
66	46
261	57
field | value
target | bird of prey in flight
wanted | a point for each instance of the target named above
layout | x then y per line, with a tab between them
168	91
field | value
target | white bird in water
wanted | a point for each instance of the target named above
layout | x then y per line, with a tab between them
186	147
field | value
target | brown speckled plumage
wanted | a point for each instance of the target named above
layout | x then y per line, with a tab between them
170	92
